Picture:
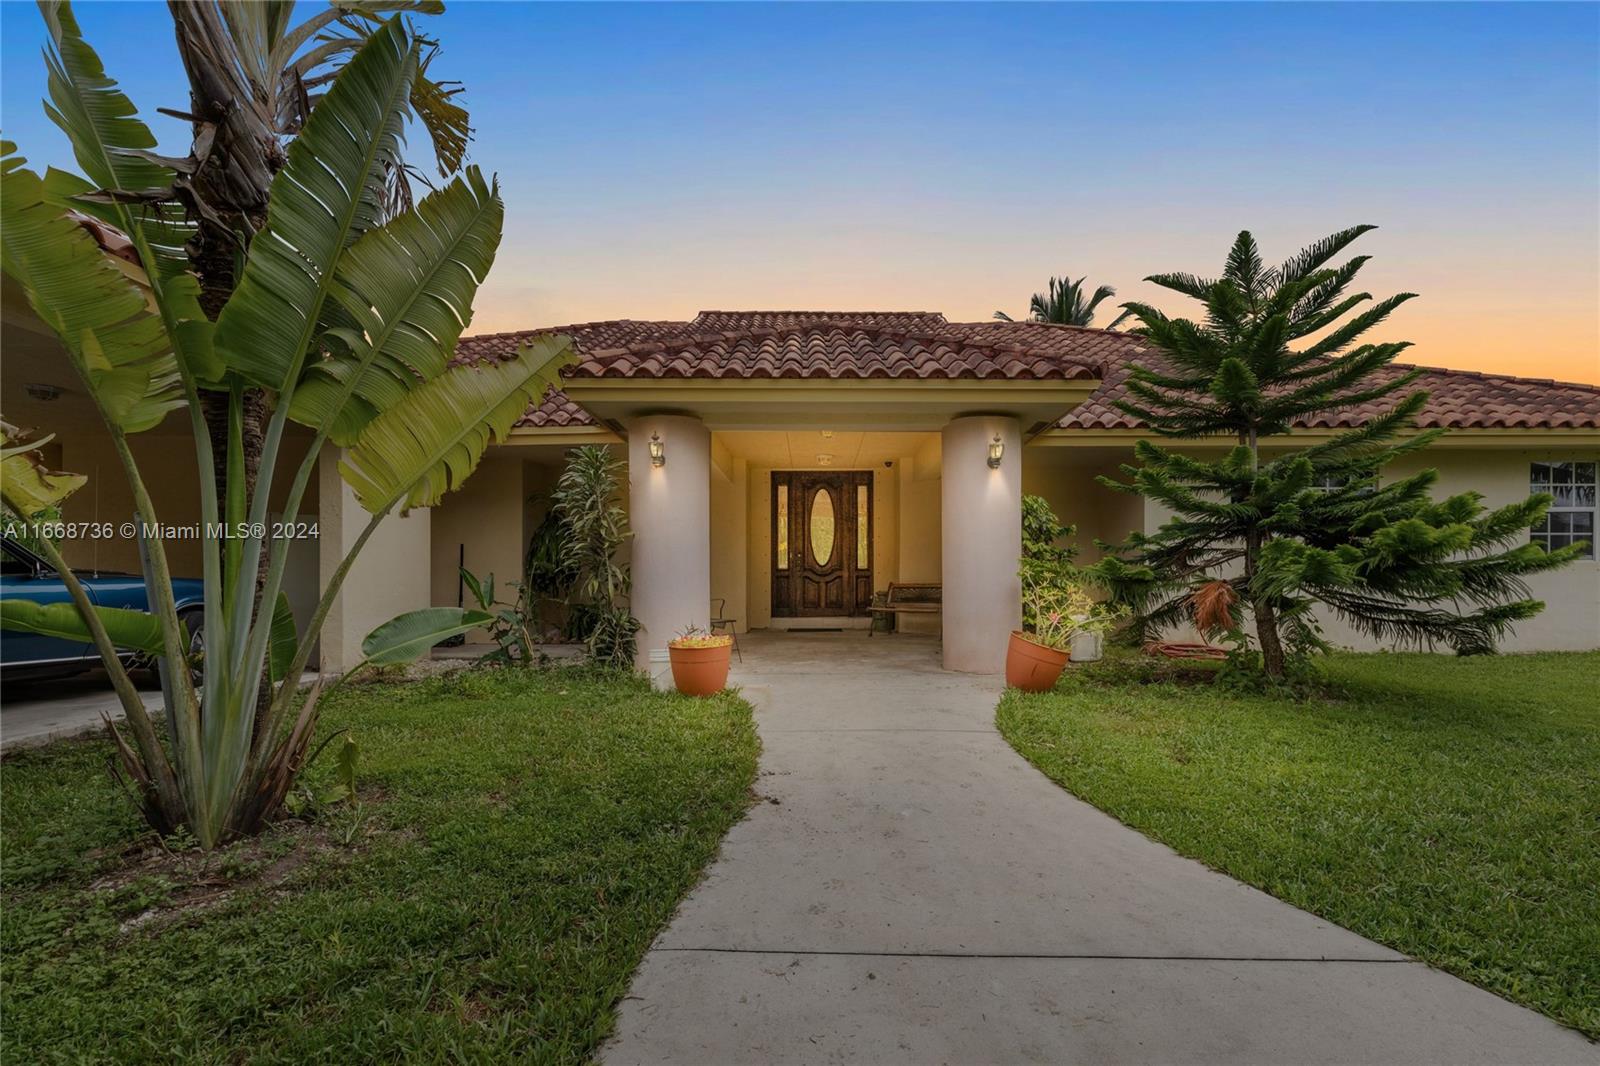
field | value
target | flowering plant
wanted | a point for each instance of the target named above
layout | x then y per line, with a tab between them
695	637
1058	605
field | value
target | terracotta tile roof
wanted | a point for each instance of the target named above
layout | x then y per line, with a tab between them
556	410
586	337
922	344
825	349
1458	399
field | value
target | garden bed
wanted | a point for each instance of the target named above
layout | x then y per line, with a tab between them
1445	807
519	840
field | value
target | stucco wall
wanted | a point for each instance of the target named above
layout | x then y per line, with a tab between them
730	521
391	575
1571	618
483	521
1065	478
167	463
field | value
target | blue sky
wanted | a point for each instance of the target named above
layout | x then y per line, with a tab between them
657	159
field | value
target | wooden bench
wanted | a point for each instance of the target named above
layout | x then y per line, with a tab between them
907	598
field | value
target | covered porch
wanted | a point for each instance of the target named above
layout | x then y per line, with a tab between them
786	468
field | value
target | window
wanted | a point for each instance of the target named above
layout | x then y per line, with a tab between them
822	526
1571	517
783	527
863	519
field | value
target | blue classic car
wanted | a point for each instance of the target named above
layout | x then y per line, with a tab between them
27	656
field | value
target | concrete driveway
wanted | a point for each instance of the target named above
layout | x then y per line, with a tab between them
910	890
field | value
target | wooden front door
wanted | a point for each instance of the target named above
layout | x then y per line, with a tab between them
821	543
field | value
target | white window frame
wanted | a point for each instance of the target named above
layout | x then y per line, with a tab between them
1574	484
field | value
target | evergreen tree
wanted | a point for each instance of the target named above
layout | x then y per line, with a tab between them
1269	538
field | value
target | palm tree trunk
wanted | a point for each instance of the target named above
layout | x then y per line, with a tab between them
236	153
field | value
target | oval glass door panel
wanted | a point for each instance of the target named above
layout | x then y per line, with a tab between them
822	527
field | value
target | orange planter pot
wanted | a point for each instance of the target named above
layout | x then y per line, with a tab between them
1031	666
700	671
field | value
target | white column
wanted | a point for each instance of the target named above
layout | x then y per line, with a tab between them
669	507
391	575
981	509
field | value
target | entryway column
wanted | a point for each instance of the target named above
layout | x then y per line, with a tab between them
670	512
981	506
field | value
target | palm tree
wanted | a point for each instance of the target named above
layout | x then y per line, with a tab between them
346	321
1066	304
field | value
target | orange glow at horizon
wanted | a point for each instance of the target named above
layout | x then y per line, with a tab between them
1518	337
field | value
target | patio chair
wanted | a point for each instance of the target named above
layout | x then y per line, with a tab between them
717	622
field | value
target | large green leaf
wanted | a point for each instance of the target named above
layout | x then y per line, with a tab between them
91	300
28	486
327	188
111	143
135	630
407	287
409	636
102	123
427	444
285	641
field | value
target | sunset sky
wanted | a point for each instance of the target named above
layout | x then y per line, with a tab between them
661	159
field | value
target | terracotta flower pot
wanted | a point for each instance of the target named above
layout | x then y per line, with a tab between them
700	671
1031	666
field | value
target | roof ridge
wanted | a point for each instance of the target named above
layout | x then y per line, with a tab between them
926	314
948	337
574	325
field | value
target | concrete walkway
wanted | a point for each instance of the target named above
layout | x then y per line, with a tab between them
36	713
910	890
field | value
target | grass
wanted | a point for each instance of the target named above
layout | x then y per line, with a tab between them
1449	808
520	840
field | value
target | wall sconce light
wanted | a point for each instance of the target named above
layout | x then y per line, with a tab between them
658	451
997	451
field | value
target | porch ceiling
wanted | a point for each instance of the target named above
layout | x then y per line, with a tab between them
804	449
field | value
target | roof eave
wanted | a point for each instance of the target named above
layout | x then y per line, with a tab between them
857	403
1464	437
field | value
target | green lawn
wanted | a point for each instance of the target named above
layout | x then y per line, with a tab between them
1449	808
521	839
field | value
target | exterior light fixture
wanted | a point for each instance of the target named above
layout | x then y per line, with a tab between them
658	451
997	451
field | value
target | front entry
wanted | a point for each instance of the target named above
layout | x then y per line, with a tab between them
821	543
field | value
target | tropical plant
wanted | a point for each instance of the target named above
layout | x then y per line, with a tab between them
1044	557
1065	302
371	378
548	574
588	497
1313	524
33	505
510	625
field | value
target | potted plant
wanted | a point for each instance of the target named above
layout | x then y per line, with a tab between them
700	661
1038	652
1060	621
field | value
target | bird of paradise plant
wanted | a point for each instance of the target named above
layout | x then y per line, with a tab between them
345	314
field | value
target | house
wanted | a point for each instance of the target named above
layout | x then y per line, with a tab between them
792	463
